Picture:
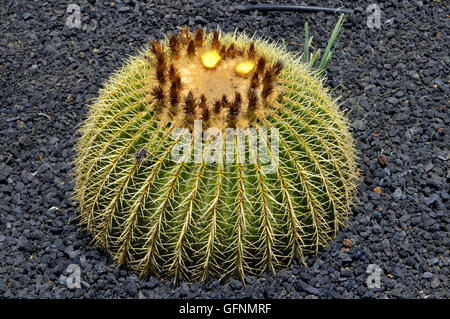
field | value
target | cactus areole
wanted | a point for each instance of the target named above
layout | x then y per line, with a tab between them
214	155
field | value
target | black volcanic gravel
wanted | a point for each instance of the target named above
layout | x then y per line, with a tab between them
394	83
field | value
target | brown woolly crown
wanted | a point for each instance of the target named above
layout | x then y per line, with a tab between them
197	77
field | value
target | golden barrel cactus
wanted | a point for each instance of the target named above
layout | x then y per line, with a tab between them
267	166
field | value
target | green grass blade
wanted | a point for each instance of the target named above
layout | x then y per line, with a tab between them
305	56
328	50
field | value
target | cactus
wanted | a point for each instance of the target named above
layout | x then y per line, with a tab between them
214	218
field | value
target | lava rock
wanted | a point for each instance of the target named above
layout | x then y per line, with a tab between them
397	95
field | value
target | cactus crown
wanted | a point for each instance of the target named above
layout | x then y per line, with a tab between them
200	78
219	218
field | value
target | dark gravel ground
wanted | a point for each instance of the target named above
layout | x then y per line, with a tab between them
394	82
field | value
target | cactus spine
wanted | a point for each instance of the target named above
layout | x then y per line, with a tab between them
196	219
